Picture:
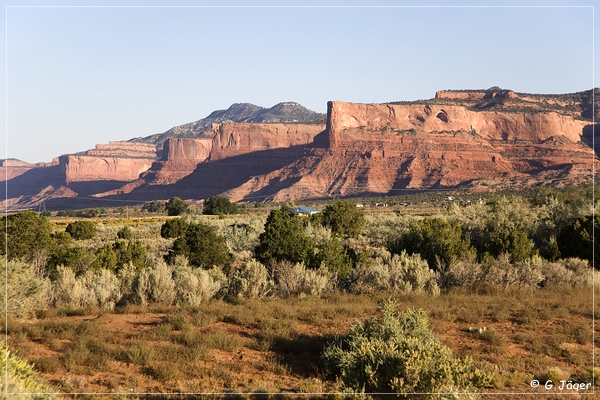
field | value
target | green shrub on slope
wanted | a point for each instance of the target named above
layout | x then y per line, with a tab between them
397	353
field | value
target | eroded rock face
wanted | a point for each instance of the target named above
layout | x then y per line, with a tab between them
186	149
232	139
476	140
13	168
348	123
387	148
95	168
116	161
183	156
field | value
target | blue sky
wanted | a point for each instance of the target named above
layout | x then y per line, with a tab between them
77	76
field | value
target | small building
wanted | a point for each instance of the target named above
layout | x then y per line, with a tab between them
303	211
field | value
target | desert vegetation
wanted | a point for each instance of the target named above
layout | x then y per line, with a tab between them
485	296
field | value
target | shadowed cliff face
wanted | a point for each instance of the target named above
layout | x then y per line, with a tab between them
214	177
48	184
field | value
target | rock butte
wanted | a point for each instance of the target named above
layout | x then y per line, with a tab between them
362	149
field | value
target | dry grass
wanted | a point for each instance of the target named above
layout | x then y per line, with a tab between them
270	345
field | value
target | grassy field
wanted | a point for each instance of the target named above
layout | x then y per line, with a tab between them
274	346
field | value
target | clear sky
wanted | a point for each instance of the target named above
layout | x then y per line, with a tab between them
77	76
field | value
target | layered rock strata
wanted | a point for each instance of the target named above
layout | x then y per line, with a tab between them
234	139
388	148
116	161
476	140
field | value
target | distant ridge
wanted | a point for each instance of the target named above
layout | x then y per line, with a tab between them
475	140
285	112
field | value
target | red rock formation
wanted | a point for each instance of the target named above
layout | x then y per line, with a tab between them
124	149
349	122
95	168
13	168
385	148
187	149
181	156
116	161
367	149
232	139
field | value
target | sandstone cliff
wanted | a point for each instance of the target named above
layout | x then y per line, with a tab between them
103	168
99	168
474	140
180	157
117	161
387	148
232	139
187	149
184	156
348	123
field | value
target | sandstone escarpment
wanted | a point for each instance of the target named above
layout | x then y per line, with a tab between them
124	149
187	149
116	161
350	122
184	156
95	168
474	140
233	139
13	168
388	148
180	157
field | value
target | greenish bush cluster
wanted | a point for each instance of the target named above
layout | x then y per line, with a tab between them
110	256
218	205
85	213
81	230
199	243
344	218
287	237
506	241
436	240
28	234
26	292
533	273
20	380
503	225
154	206
176	206
398	353
160	283
395	272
